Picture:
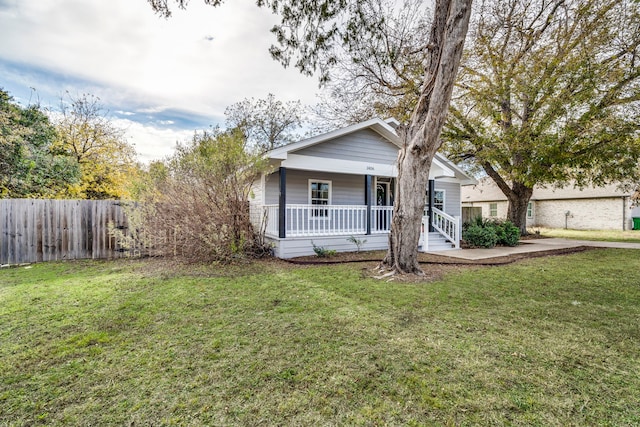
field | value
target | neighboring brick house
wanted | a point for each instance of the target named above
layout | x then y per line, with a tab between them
592	208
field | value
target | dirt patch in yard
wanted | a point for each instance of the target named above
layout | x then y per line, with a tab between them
423	258
434	266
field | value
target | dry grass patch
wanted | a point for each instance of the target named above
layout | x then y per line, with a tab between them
631	236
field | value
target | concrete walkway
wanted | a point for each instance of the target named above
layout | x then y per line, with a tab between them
533	245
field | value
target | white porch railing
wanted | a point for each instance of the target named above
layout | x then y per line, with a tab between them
271	220
264	218
326	220
447	225
381	219
335	220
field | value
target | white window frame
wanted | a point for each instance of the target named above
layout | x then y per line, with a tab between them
493	215
321	181
444	198
530	210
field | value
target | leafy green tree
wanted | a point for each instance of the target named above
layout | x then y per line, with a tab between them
106	159
147	181
265	123
314	32
30	166
549	94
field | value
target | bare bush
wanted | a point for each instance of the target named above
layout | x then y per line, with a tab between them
195	204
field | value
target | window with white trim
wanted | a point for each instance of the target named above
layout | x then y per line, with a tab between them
530	210
493	209
438	201
319	194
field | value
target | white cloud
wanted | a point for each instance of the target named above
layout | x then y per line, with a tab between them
153	110
122	43
199	61
151	142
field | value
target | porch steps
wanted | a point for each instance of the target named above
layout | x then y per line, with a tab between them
437	242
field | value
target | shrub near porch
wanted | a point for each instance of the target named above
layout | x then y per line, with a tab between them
489	233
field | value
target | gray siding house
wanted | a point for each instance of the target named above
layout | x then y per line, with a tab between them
327	188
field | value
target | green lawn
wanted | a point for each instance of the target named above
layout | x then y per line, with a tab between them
548	341
632	236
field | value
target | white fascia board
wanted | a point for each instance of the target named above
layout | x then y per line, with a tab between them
321	164
392	121
387	131
459	173
447	179
437	172
377	125
468	180
444	169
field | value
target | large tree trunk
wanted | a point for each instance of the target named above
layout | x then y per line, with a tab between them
518	198
422	136
408	208
518	194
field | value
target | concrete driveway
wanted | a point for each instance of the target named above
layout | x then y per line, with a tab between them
533	245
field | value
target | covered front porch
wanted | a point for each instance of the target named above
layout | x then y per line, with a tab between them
304	225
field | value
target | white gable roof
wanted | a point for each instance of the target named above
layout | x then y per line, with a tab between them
444	168
377	125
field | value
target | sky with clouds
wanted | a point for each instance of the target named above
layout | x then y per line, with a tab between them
160	79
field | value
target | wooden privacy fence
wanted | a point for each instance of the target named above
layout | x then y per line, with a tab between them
34	230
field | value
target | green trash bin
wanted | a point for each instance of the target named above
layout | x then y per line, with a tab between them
636	223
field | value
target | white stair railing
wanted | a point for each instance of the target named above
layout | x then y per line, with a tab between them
447	225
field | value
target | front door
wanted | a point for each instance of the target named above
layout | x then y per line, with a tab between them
383	198
382	194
